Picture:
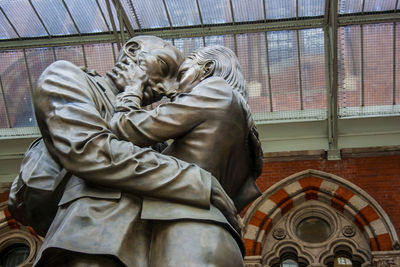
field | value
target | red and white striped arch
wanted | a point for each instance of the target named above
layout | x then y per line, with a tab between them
339	193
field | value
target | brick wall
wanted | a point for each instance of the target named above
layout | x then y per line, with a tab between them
378	176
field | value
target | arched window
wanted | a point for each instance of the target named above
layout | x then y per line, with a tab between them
343	257
14	255
289	263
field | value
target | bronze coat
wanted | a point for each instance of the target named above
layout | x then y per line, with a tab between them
73	109
210	128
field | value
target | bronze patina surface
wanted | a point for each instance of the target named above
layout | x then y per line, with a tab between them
128	204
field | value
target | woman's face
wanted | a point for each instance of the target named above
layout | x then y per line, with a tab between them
189	75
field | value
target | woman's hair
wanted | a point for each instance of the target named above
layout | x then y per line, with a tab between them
226	65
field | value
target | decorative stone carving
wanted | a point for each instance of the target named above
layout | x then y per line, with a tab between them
253	265
279	233
349	231
386	262
396	245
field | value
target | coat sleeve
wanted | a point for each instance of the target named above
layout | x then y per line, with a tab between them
79	138
170	120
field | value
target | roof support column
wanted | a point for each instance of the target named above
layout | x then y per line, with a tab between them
331	61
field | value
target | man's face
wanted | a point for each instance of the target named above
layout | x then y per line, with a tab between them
189	75
160	62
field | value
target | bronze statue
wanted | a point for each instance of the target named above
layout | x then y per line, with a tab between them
211	126
100	211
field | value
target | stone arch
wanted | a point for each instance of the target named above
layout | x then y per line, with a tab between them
12	232
342	195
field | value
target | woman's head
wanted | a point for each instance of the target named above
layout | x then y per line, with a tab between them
212	61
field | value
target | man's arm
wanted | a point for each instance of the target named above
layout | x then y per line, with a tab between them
69	117
169	120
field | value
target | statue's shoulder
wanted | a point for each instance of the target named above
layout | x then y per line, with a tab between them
63	65
62	70
215	87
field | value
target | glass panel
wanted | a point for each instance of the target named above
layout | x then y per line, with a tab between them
312	60
378	64
99	57
249	10
103	7
151	13
379	5
188	45
23	18
55	17
278	9
309	8
313	230
397	73
14	255
6	31
349	67
215	11
253	59
87	16
284	67
128	7
38	59
342	262
73	54
289	263
225	40
16	88
183	13
350	6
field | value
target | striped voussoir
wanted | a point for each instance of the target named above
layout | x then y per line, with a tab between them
7	222
347	201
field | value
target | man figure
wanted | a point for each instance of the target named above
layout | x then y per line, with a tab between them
211	126
97	224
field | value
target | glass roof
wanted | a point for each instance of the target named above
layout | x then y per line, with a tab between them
65	17
285	68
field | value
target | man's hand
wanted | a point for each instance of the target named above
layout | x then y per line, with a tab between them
127	75
223	202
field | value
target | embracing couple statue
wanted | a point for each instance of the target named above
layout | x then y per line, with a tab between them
127	204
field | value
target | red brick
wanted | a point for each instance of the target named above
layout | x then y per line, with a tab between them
310	183
267	226
384	242
258	218
279	197
369	214
343	194
249	246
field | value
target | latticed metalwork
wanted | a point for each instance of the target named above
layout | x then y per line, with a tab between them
302	59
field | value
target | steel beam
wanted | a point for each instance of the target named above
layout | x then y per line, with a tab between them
300	72
366	18
168	16
103	16
271	109
182	32
394	64
115	32
125	19
28	72
5	104
40	18
9	22
200	15
331	61
362	66
136	16
71	17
